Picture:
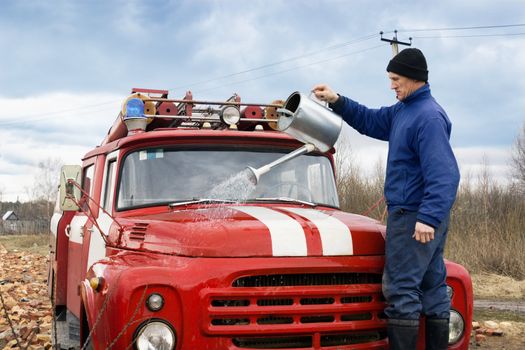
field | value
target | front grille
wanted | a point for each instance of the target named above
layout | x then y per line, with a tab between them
274	302
352	338
273	342
317	319
317	301
357	317
230	321
359	299
229	303
311	279
288	311
275	320
327	340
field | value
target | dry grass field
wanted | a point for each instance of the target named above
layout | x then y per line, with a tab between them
487	221
29	243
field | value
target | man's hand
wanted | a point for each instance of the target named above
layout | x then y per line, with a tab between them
423	233
325	93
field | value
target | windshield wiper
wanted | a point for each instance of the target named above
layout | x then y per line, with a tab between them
282	199
199	201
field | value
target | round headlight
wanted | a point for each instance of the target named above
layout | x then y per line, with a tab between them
155	302
155	335
456	327
230	115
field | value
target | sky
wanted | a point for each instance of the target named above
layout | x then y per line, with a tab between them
67	66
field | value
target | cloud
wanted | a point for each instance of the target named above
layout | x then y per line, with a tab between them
31	131
65	55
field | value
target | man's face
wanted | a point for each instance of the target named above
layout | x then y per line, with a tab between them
403	86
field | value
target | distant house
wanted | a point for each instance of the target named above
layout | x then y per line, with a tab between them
13	223
10	215
10	222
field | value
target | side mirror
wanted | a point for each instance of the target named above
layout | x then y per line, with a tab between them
67	189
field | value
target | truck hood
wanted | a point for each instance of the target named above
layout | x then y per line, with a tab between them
254	231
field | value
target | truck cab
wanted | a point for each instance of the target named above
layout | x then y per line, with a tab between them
161	241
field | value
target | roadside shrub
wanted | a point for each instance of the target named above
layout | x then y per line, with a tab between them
487	227
487	230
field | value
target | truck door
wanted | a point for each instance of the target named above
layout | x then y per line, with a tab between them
93	244
76	231
97	246
57	277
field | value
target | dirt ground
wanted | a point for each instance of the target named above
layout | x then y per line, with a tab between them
500	299
23	287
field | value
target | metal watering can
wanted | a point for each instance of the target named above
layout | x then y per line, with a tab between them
309	122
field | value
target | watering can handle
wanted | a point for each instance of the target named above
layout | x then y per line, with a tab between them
316	100
285	112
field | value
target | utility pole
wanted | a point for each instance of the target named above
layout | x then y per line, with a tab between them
394	42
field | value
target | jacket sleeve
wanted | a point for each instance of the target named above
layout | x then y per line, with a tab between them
440	171
371	122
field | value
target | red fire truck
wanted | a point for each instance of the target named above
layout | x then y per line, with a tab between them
158	243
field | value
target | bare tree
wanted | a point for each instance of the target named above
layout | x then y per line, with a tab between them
46	179
518	159
344	158
45	184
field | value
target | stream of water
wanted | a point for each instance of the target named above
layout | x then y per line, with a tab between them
238	187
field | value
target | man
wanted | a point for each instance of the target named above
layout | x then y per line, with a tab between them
420	187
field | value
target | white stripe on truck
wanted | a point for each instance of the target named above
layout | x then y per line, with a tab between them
287	235
336	237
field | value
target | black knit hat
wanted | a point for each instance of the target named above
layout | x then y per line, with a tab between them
409	63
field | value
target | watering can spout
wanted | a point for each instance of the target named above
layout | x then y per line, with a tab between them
253	174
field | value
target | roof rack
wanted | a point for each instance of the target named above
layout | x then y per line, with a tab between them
163	112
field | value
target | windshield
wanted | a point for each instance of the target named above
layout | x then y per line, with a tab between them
167	175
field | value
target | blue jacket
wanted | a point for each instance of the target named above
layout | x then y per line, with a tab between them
422	174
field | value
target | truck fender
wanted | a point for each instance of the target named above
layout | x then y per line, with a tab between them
88	305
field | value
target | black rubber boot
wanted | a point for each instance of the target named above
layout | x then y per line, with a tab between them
402	334
436	333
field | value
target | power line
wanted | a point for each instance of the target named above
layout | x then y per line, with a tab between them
295	68
312	53
462	28
467	36
62	111
41	116
45	116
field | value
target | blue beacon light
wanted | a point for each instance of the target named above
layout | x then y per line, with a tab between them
134	108
135	119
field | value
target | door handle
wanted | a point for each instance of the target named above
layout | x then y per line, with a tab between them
90	230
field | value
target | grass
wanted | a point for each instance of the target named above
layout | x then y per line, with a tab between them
30	243
487	230
487	225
